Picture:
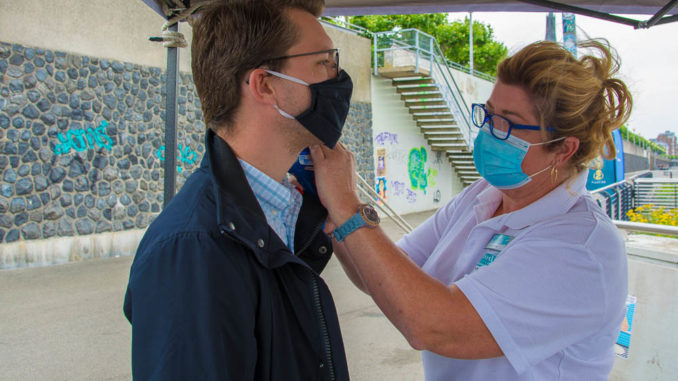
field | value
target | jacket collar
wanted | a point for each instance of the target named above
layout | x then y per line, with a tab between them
239	214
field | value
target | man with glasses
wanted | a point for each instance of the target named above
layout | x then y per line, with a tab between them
225	283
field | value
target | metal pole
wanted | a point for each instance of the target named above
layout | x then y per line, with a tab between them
550	27
431	56
171	119
470	40
375	47
416	57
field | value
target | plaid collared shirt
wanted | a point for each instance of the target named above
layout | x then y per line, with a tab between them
281	202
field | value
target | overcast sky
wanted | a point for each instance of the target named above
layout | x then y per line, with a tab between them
649	59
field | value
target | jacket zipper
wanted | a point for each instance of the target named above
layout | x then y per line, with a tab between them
318	307
323	326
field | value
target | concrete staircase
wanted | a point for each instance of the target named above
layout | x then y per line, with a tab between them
435	119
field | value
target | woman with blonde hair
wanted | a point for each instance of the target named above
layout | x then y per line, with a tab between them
521	276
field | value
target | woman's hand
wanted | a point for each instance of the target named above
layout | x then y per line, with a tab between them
336	181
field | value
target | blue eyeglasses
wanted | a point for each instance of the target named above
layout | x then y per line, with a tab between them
500	127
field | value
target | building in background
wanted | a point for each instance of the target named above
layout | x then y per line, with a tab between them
669	141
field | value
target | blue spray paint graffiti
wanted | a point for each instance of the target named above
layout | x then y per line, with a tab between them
82	140
386	137
411	196
398	188
185	155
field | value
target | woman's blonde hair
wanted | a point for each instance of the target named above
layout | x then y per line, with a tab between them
575	97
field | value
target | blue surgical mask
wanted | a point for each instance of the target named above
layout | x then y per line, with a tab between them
500	161
330	101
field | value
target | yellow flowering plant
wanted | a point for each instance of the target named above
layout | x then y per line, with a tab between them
654	215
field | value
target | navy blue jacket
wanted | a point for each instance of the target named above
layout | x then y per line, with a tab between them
214	294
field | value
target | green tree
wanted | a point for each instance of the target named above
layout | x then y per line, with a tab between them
452	37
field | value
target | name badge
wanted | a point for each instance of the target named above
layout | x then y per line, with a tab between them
494	247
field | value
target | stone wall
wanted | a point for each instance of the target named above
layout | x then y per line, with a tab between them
81	143
357	137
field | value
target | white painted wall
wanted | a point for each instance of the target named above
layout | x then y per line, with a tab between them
116	30
396	132
474	89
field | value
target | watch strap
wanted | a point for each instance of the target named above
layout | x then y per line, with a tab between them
356	221
365	216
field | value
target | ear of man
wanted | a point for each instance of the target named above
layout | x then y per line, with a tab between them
259	87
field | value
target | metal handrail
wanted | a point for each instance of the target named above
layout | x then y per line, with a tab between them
345	25
621	182
437	60
629	187
365	188
647	228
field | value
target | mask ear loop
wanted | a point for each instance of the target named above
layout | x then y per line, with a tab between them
548	141
283	113
289	78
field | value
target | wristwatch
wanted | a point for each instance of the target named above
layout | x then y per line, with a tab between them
365	216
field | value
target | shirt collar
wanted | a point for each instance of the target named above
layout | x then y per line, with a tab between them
556	202
486	203
266	189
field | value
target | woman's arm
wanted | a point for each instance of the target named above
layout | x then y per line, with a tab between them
348	265
429	314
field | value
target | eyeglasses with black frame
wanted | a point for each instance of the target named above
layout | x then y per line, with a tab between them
332	61
500	127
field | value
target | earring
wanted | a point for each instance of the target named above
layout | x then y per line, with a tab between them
554	175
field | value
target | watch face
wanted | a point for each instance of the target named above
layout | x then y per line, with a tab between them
370	215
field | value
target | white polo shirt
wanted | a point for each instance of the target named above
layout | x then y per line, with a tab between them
549	281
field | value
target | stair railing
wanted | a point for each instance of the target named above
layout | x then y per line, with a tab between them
369	193
397	48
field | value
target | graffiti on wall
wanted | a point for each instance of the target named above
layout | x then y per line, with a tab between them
439	158
83	139
422	169
398	188
185	155
381	162
386	137
411	196
431	175
381	189
420	176
437	196
415	168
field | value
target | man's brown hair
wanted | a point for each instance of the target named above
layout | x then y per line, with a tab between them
231	37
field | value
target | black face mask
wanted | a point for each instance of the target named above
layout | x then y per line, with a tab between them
330	101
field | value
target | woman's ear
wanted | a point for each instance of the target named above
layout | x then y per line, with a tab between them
567	149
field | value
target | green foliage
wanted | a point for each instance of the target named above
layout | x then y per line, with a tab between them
453	37
426	23
640	141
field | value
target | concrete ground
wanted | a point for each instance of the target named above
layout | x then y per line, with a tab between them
65	322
